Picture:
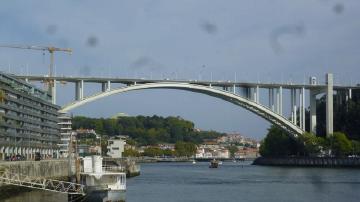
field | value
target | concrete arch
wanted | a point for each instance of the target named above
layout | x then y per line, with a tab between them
250	105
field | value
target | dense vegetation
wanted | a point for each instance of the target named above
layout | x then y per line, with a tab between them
342	143
346	115
277	143
147	130
182	149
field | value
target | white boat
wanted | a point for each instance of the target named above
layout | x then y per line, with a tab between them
101	180
194	162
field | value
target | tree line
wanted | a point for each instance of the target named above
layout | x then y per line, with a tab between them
182	149
146	130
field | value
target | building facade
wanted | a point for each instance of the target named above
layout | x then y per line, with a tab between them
115	147
28	120
66	132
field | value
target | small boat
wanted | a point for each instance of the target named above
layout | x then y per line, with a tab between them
220	162
193	161
214	164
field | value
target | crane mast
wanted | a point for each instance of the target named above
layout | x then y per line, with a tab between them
51	50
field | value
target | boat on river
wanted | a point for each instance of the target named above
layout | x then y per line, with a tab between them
214	164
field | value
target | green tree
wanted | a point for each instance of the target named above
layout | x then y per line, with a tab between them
130	153
355	147
185	149
311	144
232	150
278	143
153	152
339	144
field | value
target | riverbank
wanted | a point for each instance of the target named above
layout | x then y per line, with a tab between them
329	162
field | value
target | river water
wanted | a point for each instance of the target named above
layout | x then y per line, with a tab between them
175	182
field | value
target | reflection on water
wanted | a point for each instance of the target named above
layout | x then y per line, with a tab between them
178	182
38	195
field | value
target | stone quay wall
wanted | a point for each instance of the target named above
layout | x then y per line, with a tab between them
309	161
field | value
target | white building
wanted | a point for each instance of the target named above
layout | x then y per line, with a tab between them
115	148
65	134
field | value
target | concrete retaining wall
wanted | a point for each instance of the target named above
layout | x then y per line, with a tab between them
309	162
46	168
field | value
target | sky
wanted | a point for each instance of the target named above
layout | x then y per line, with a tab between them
256	40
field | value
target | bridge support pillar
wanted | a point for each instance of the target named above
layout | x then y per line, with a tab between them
350	93
271	99
103	87
312	111
254	94
295	108
302	108
329	105
53	91
234	89
79	90
279	100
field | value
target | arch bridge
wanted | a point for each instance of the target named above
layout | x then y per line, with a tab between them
246	95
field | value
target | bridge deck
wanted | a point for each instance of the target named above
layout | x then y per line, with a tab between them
129	81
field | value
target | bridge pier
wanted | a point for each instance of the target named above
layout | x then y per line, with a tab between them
313	111
271	99
350	94
329	105
53	91
302	108
106	86
79	90
279	100
293	105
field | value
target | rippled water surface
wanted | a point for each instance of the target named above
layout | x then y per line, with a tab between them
242	182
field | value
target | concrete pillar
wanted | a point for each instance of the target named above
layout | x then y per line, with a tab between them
300	108
350	93
234	89
271	99
103	87
257	94
108	86
303	108
79	90
291	105
312	112
53	92
280	100
329	105
254	95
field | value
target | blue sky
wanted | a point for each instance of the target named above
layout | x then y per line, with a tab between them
268	41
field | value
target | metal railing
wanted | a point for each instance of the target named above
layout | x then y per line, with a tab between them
41	183
113	169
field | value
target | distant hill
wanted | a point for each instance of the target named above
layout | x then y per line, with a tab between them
146	130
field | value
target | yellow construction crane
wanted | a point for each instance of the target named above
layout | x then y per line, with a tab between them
51	50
